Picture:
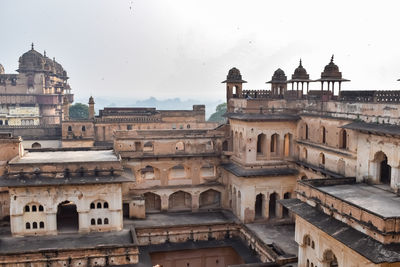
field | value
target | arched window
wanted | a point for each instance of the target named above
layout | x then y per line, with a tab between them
274	143
99	221
34	225
343	139
305	131
106	221
180	146
304	153
330	258
92	206
27	208
93	222
41	225
321	159
69	129
323	135
27	225
98	205
105	205
261	144
36	145
307	240
83	128
40	208
34	209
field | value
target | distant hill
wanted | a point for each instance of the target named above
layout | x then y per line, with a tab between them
167	104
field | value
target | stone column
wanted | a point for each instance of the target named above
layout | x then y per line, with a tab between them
83	221
164	202
51	222
395	179
195	201
163	176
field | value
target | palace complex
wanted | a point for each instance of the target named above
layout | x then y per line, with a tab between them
296	177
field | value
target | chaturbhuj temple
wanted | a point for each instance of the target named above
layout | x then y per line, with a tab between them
295	177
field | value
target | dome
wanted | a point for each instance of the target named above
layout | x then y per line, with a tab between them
331	71
278	77
1	69
91	100
300	73
234	76
31	61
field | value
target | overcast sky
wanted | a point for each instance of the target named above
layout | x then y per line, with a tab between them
184	48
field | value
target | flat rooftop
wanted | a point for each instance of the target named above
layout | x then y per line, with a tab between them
181	219
371	198
65	157
64	241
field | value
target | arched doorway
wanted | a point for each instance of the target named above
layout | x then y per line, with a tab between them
272	205
210	199
330	259
285	211
383	168
152	202
36	145
287	146
259	206
261	144
180	201
67	217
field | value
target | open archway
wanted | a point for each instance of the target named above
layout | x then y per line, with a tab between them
383	168
67	217
259	206
180	201
210	199
272	205
330	259
285	211
152	202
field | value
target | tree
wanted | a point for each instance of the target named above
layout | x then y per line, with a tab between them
79	111
217	116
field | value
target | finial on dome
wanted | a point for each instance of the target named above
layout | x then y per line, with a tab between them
332	58
44	53
54	59
300	63
32	46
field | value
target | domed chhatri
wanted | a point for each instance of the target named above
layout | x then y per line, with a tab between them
278	77
234	76
331	75
300	74
299	77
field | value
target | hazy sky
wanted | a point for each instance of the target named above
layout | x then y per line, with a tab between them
184	48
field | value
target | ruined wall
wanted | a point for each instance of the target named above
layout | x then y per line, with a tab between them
50	197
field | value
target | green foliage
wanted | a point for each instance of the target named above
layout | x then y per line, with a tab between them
217	116
79	111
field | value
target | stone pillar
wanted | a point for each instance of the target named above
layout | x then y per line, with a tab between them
51	222
83	221
164	202
395	179
163	176
195	201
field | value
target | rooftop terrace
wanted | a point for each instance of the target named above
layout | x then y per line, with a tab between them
65	157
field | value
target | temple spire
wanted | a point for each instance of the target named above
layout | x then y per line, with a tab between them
32	46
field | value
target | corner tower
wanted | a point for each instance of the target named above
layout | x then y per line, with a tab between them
234	84
91	108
